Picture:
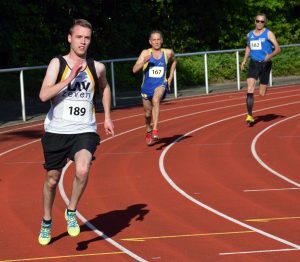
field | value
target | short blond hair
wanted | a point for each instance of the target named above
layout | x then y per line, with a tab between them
81	22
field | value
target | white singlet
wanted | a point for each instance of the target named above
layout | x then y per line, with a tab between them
72	110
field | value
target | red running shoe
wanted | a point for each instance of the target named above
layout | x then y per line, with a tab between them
149	138
155	134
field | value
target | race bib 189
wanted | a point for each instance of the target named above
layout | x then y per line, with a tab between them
77	111
255	45
156	71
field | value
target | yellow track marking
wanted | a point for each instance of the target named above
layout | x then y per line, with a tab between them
264	220
57	257
187	235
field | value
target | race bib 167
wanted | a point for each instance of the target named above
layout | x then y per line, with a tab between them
156	71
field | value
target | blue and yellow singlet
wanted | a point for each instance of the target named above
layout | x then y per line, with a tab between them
154	75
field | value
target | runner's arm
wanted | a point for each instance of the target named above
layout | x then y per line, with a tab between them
143	58
247	53
276	50
49	89
106	98
172	59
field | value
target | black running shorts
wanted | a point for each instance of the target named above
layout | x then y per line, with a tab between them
261	70
60	147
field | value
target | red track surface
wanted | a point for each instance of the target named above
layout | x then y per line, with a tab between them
212	189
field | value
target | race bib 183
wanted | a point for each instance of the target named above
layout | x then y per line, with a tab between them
255	45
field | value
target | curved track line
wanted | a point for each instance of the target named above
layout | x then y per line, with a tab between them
183	193
259	160
90	225
177	99
18	147
117	245
139	127
170	119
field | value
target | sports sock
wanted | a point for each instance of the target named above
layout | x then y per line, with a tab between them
47	221
250	102
69	210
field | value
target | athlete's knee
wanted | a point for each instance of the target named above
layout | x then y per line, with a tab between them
250	89
156	100
262	91
51	182
82	173
148	113
52	178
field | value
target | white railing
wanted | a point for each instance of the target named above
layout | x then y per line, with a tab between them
112	61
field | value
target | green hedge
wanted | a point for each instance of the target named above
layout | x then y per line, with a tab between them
190	72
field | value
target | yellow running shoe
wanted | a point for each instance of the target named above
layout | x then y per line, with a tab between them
249	118
73	227
45	234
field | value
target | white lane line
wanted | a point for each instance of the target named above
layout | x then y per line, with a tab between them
183	193
123	153
212	144
163	121
90	225
271	189
20	128
212	102
23	162
289	136
18	147
131	130
259	251
259	160
179	107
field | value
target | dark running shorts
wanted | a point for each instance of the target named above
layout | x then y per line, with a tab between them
260	70
60	147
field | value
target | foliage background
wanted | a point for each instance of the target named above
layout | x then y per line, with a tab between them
33	31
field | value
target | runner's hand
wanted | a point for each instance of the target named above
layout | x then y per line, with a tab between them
75	70
243	65
109	127
146	58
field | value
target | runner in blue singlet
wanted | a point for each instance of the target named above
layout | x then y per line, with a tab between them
155	84
154	72
260	42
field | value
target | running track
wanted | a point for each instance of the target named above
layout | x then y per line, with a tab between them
212	189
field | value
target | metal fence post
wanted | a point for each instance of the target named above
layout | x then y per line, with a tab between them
22	96
113	84
111	61
175	84
238	70
206	73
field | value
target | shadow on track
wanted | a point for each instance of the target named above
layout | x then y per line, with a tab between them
113	222
110	223
165	141
267	118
